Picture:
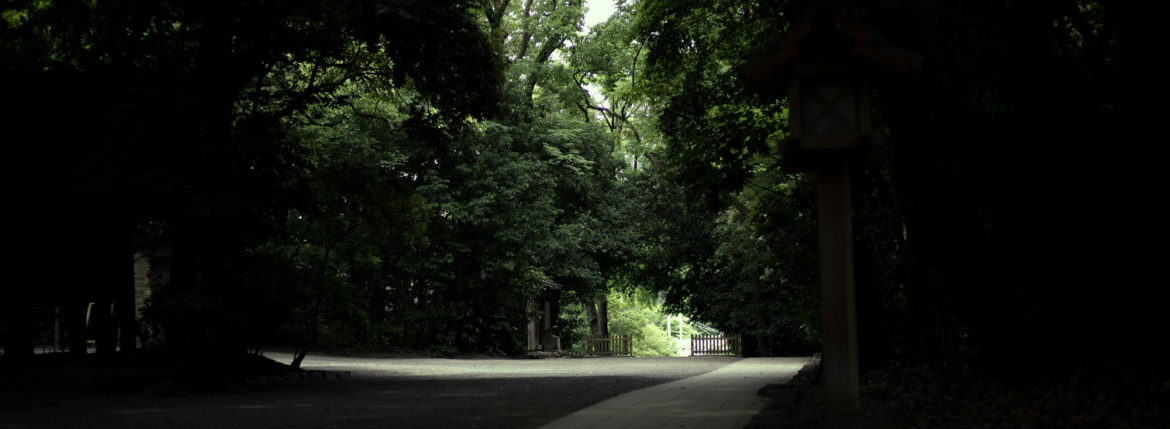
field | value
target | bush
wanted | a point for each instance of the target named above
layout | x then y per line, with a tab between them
653	341
629	317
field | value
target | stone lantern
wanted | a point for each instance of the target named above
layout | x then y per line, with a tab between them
824	65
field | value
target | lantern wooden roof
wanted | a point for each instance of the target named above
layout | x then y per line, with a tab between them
825	28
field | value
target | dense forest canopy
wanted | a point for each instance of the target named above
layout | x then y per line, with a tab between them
987	227
414	173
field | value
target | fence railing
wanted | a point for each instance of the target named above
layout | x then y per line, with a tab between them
716	345
609	346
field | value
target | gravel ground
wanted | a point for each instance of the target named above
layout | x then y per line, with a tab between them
368	392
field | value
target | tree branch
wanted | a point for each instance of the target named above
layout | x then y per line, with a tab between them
525	34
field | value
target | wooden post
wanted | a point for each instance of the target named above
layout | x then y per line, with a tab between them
835	227
124	305
825	75
669	337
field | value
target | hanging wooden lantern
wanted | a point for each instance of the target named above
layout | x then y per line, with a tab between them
825	64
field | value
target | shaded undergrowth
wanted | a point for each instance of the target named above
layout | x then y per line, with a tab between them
958	394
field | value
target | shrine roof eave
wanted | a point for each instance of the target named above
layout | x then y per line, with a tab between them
771	69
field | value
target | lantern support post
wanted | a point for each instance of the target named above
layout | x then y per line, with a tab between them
838	304
823	64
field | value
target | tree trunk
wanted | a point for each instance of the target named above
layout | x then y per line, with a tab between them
75	330
126	312
591	317
58	337
298	356
105	331
603	316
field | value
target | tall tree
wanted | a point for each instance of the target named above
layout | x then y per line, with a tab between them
967	234
201	90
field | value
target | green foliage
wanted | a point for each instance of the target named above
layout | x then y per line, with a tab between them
320	177
571	324
260	142
644	323
963	235
470	232
652	340
748	269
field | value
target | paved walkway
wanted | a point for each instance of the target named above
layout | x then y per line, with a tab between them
723	398
420	393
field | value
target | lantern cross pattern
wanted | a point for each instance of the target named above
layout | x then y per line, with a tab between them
830	108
